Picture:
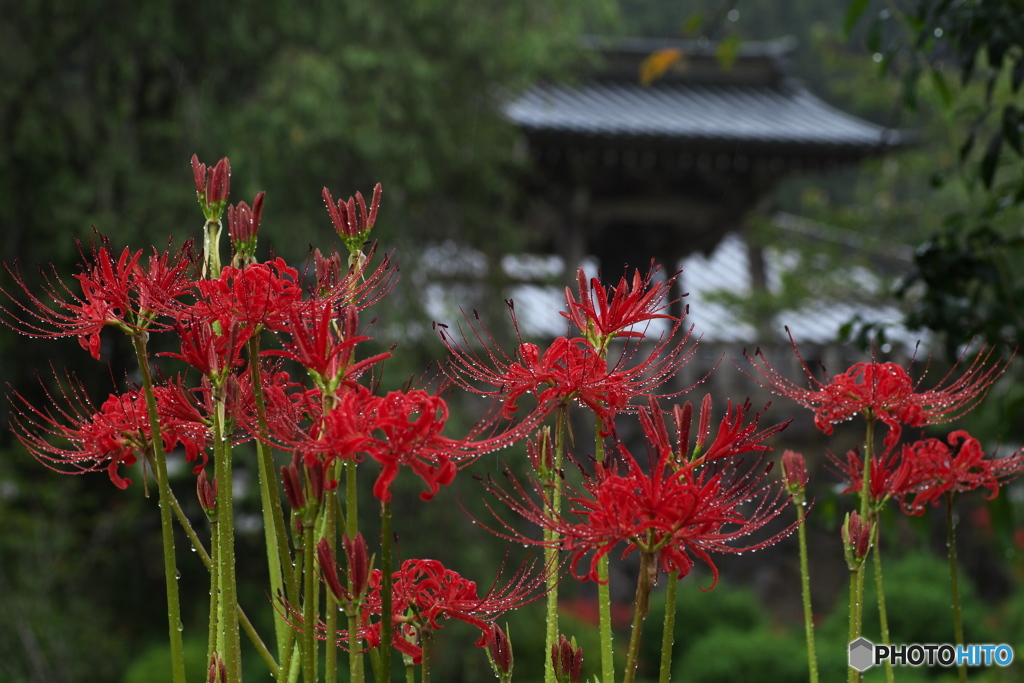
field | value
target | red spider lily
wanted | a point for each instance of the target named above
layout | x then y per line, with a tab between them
569	370
425	592
678	511
108	438
958	465
212	186
404	428
732	438
360	287
602	313
123	293
213	353
256	295
885	391
323	341
892	475
327	270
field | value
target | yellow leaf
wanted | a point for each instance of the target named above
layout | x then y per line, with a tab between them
657	63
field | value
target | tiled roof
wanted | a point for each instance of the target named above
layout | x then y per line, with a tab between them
697	102
694	112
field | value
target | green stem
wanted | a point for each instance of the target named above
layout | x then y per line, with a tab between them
385	592
355	657
805	589
224	557
331	616
857	595
604	609
643	595
309	599
211	249
882	615
668	632
551	539
853	676
243	619
604	593
279	558
211	633
174	628
958	624
425	642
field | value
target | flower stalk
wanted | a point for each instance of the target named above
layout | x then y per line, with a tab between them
174	625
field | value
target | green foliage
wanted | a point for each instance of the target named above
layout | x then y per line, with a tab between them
727	608
726	655
970	289
153	664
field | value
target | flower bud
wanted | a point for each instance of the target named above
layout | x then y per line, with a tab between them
567	659
499	653
358	564
794	472
206	489
351	225
856	540
541	456
218	672
704	427
329	570
243	226
212	186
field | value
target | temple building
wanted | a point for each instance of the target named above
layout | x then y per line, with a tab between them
625	171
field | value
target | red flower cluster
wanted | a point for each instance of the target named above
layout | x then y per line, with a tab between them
602	313
577	369
682	509
884	391
108	438
424	592
124	292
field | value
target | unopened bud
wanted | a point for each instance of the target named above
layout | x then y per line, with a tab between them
704	428
351	219
212	186
541	454
499	653
856	539
218	672
329	570
794	472
358	564
243	226
567	659
206	489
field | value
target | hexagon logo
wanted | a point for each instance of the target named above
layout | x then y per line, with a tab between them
862	654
